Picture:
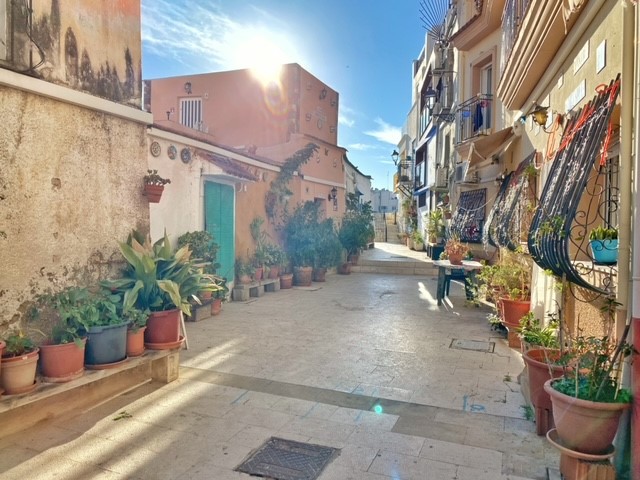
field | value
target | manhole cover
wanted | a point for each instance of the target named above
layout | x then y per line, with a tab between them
281	459
476	345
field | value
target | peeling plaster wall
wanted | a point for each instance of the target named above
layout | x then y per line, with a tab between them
88	45
70	190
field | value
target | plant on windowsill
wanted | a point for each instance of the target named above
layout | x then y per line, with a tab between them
154	186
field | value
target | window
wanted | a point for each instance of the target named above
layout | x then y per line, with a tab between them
191	112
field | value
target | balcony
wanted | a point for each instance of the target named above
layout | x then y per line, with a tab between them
512	18
473	117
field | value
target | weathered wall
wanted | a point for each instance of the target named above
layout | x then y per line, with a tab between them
70	190
88	45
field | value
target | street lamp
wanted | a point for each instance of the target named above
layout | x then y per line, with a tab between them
395	156
430	98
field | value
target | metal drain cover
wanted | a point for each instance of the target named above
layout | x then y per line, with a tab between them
475	345
281	459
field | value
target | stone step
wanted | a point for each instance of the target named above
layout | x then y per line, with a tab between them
395	268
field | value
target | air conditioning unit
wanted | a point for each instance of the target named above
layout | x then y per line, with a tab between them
461	171
442	177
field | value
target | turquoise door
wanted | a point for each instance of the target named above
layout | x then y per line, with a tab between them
219	222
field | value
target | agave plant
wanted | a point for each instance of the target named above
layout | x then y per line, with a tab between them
156	278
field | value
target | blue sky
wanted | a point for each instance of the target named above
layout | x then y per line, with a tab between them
363	49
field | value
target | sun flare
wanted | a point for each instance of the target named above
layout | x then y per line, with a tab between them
262	53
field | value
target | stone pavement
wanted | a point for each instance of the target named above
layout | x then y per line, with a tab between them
365	363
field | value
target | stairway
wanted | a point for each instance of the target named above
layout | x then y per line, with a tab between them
386	231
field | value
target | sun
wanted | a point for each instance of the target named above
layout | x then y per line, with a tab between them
263	55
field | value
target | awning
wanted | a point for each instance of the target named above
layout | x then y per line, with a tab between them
232	167
477	149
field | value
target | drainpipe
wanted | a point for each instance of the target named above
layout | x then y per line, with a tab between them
630	39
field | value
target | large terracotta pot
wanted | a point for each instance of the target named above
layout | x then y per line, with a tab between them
286	281
319	274
135	342
302	276
62	362
216	306
18	374
344	268
582	425
513	311
274	271
163	327
540	368
257	275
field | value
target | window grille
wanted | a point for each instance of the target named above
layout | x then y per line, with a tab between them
191	112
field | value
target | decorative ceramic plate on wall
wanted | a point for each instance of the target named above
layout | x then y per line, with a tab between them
185	155
155	149
172	151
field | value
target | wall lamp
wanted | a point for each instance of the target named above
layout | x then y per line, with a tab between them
540	115
333	195
430	98
500	178
395	155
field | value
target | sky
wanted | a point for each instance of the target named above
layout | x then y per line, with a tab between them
363	49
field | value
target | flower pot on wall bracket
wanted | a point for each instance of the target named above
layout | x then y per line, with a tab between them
153	192
604	252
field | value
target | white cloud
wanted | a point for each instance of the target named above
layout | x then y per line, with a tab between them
385	132
360	146
346	121
203	32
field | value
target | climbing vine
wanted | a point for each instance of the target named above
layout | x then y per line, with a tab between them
276	197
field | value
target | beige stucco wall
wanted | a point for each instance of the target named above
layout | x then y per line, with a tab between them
70	188
607	26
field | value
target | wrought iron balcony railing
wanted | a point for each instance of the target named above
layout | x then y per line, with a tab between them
473	117
581	193
514	12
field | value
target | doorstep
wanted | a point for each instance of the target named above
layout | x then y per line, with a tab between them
51	400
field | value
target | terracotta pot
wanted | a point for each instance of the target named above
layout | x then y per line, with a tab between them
163	327
216	306
302	276
344	268
539	372
245	279
62	362
286	280
153	192
257	276
353	258
135	342
582	425
319	274
274	271
18	374
205	295
513	311
455	259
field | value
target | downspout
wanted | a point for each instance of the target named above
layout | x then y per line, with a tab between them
624	443
630	39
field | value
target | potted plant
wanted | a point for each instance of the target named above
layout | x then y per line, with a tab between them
418	241
137	323
604	245
542	357
436	226
588	398
154	186
328	250
510	280
300	236
244	271
19	362
62	353
105	329
159	280
356	229
455	250
204	250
